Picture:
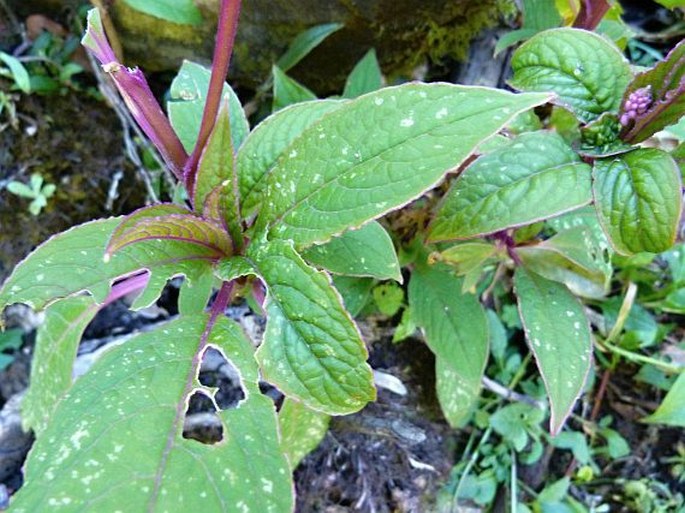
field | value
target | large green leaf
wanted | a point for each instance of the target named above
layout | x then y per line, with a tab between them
188	94
72	262
365	252
672	409
268	141
176	11
53	358
559	336
377	153
571	257
639	200
456	330
312	349
587	72
115	441
302	430
534	177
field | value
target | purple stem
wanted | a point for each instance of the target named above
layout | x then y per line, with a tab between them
126	286
225	37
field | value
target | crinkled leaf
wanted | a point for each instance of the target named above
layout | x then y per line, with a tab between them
187	228
217	170
534	177
312	349
638	200
268	141
588	73
368	251
377	153
176	11
53	358
72	262
302	430
288	91
115	441
667	87
572	257
365	78
559	336
304	43
456	330
672	408
228	269
188	94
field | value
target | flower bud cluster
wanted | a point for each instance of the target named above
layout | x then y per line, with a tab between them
637	103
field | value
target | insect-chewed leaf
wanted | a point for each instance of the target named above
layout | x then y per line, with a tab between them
534	177
312	349
456	330
188	94
268	141
72	262
118	434
558	334
186	228
365	252
378	152
638	199
586	71
53	358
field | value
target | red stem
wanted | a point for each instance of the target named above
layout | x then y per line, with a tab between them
225	37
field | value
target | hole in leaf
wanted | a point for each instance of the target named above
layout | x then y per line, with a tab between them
201	421
218	372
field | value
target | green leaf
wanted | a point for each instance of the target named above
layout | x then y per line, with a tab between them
188	94
194	294
536	176
355	292
366	77
671	4
304	43
573	258
108	448
177	11
388	298
587	72
187	228
559	336
368	251
288	91
229	269
217	170
672	409
268	142
468	256
377	153
638	200
19	73
53	359
302	430
456	330
312	349
20	189
72	262
538	15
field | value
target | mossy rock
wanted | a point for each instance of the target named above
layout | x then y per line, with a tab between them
404	32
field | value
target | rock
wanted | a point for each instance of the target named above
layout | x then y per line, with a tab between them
403	32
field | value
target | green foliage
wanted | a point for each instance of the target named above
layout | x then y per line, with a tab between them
177	11
274	212
36	191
